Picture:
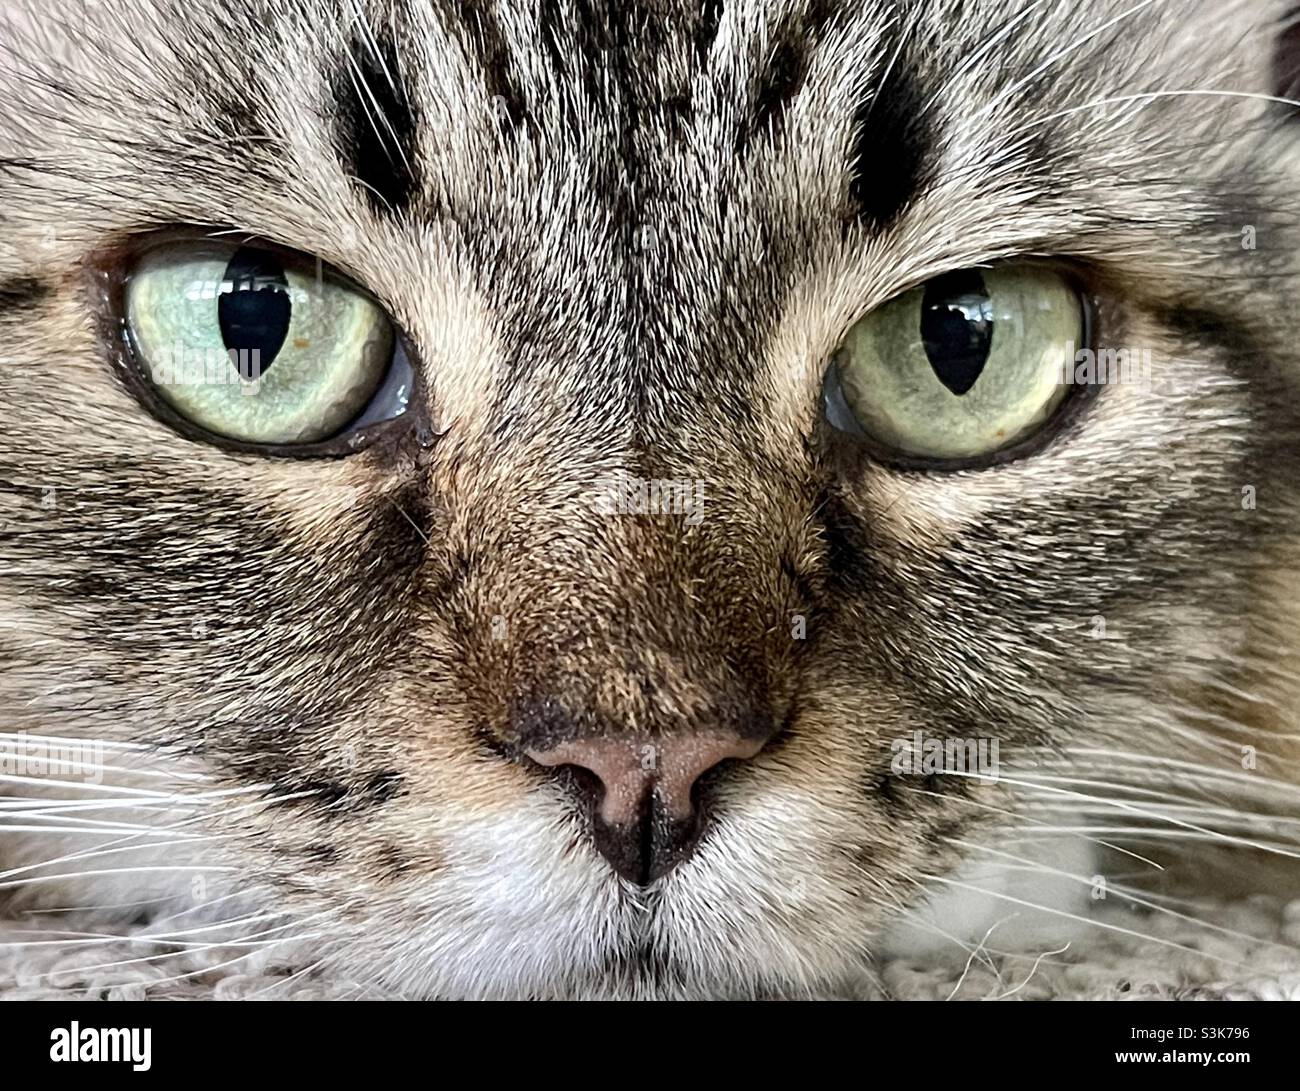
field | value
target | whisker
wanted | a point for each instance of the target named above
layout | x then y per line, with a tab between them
66	740
987	46
1104	925
253	941
970	961
1128	893
144	793
1061	54
1033	970
145	868
97	767
86	908
1024	818
1146	97
97	853
76	939
1124	805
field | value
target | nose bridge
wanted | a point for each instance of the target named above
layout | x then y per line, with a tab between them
613	618
626	687
568	570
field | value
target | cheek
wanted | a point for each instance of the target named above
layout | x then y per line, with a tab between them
419	719
1015	596
231	604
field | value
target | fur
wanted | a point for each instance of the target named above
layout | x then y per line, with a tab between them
627	239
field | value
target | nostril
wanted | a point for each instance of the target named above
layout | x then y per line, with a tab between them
582	785
640	792
624	775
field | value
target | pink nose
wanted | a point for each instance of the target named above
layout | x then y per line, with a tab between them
629	770
644	818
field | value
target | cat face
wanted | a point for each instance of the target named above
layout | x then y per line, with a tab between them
483	723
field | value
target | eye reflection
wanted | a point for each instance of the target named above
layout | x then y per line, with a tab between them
957	328
254	307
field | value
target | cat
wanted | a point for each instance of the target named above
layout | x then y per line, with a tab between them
690	579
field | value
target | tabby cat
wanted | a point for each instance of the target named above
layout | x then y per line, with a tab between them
676	499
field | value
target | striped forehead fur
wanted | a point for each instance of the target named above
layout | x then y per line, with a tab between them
627	238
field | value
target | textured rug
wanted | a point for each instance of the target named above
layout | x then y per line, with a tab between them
1252	951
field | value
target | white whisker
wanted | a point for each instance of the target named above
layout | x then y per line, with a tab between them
1061	54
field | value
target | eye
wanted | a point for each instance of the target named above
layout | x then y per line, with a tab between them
260	347
968	365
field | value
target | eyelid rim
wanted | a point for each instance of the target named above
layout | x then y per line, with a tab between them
109	272
1075	403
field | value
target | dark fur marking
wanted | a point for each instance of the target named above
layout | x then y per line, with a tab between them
333	798
549	30
235	94
376	126
487	37
1231	334
324	855
888	794
622	53
317	794
395	545
1274	444
706	32
233	102
242	121
782	82
802	581
393	862
844	559
786	73
891	147
591	45
383	786
21	294
1286	61
681	110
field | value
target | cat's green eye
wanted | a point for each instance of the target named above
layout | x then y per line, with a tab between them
970	364
251	345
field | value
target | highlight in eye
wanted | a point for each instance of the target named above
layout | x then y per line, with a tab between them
965	366
253	345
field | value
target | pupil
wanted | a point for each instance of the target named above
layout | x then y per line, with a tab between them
957	328
253	310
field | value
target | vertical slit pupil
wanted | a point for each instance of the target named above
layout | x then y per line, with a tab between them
253	309
957	328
